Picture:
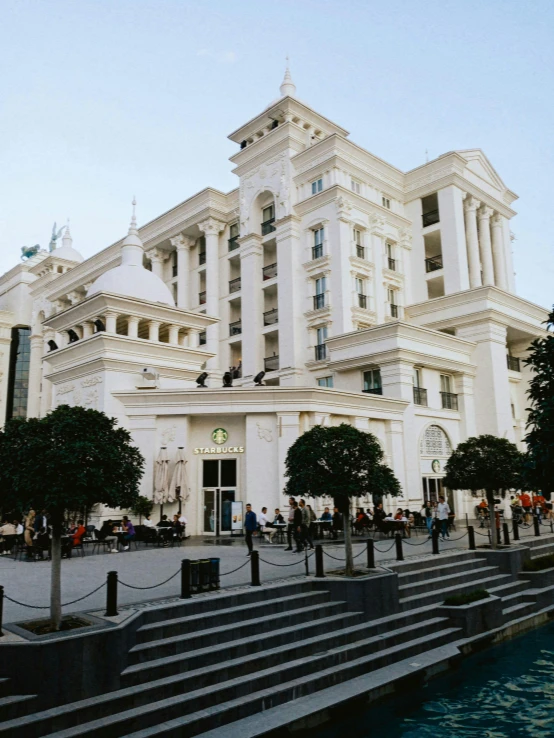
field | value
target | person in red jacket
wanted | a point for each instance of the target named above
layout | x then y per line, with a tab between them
77	537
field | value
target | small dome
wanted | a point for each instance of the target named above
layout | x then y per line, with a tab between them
66	250
130	278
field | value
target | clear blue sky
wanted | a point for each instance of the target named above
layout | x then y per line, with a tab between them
102	100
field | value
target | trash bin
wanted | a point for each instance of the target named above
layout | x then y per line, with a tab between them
195	576
204	575
214	573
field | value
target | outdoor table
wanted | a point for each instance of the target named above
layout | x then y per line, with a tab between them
280	535
321	526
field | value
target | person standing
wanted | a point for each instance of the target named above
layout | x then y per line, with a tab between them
250	526
427	513
290	525
306	522
443	511
297	527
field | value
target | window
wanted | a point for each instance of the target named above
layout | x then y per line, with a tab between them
321	334
417	378
355	186
320	348
18	378
317	186
391	297
386	202
391	261
420	393
174	267
435	442
268	218
445	383
234	230
317	248
325	382
358	242
372	382
360	289
320	286
449	400
267	213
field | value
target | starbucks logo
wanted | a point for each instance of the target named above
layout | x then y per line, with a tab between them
219	436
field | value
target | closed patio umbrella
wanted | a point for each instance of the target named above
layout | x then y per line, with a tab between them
161	478
179	487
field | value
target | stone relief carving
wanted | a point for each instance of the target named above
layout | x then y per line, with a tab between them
64	389
91	381
264	433
90	399
274	176
168	435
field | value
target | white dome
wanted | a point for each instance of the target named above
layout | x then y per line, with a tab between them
67	252
131	279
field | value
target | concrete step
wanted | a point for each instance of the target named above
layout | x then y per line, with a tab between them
432	561
245	629
440	569
15	706
443	581
4	686
508	588
520	610
191	623
191	713
514	599
542	549
439	595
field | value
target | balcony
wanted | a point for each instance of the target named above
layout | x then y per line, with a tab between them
235	285
202	298
391	264
268	227
319	301
420	396
514	364
269	272
271	317
317	251
360	251
232	243
320	352
449	401
362	301
373	390
201	258
430	218
235	329
393	310
433	263
271	363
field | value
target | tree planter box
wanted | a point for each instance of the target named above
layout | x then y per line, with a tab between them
509	559
475	618
539	579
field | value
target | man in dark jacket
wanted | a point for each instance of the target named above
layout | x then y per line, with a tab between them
250	526
298	527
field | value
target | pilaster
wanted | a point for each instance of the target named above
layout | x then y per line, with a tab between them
288	430
289	297
251	264
183	245
377	231
35	375
472	242
484	215
498	252
212	228
453	240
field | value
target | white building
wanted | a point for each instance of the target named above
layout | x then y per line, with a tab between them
368	295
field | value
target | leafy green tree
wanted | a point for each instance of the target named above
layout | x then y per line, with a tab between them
72	458
485	463
539	463
341	462
142	507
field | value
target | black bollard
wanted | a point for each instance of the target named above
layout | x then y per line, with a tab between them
506	532
320	574
111	595
255	568
516	529
471	536
1	610
435	541
185	579
498	537
537	525
214	573
306	562
399	552
370	554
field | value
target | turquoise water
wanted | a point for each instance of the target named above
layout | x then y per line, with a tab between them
504	692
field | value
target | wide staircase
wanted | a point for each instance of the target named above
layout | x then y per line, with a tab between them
13	706
203	664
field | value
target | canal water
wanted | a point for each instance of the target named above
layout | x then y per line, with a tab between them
506	691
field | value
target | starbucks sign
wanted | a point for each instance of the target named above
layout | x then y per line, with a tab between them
219	436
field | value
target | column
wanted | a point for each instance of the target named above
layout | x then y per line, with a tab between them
154	330
377	230
394	434
498	252
341	278
251	264
470	208
35	375
157	258
88	329
289	298
111	322
508	255
174	335
211	229
484	214
132	326
183	245
46	393
192	338
288	430
464	388
453	240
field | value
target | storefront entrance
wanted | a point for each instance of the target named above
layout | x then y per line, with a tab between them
219	481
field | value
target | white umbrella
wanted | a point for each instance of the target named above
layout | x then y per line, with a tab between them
161	477
179	486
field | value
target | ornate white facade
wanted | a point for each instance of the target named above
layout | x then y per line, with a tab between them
368	295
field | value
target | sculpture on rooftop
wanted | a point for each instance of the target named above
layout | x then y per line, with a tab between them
55	235
28	251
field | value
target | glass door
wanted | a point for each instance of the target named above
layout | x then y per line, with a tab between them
219	488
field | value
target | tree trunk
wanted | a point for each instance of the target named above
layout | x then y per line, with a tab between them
349	568
492	517
56	581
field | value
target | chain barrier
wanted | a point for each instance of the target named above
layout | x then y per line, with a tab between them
153	586
224	574
386	550
47	607
299	561
409	543
459	538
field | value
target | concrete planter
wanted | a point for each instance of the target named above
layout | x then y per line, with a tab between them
376	595
509	560
539	579
475	618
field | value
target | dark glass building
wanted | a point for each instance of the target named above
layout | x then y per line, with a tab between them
18	381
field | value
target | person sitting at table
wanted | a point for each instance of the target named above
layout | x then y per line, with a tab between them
42	543
270	529
9	536
178	528
337	523
77	535
326	515
128	533
164	530
262	521
148	523
106	534
362	521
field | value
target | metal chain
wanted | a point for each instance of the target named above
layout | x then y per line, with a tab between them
386	550
409	543
224	574
47	607
132	586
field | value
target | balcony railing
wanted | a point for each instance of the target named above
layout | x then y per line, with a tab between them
317	251
319	301
232	243
420	396
201	258
362	300
430	218
271	363
394	310
235	329
269	271
201	298
234	285
320	352
271	317
514	364
373	390
268	227
360	251
391	264
449	401
433	263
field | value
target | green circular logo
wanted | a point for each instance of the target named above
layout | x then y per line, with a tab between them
219	436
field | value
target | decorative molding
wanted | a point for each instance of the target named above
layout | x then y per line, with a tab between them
168	435
211	227
91	381
182	242
64	389
264	433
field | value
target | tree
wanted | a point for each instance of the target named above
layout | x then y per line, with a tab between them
71	458
485	463
142	506
539	462
340	462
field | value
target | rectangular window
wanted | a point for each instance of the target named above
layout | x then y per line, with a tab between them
445	383
417	378
318	237
320	286
357	237
234	230
317	186
267	213
325	382
321	334
355	186
372	382
386	202
360	286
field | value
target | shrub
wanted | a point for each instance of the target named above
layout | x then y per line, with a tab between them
540	563
467	598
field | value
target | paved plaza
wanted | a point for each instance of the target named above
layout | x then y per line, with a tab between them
29	582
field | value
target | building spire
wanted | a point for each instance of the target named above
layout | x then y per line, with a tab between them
67	239
133	226
288	88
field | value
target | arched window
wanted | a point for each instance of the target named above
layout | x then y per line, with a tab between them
435	442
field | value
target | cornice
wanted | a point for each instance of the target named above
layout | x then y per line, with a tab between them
409	356
257	153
